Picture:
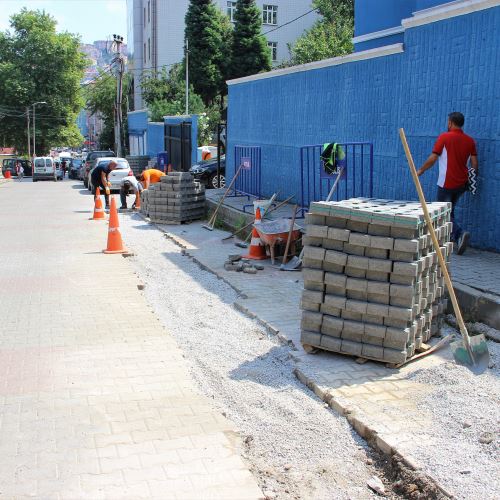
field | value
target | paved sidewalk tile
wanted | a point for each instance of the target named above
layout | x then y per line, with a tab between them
95	396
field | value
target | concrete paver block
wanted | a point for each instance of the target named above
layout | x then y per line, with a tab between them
337	234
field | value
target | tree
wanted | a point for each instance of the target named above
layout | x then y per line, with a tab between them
250	53
165	95
38	64
208	32
331	36
100	99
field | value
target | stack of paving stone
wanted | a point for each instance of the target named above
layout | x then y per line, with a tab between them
175	199
372	283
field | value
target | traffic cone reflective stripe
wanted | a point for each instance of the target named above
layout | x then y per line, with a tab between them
98	210
257	249
115	243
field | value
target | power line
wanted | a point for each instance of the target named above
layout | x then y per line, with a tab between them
290	22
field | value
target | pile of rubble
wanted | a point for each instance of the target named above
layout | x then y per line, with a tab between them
175	199
373	286
236	262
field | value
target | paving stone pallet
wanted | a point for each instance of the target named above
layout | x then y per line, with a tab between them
176	199
372	283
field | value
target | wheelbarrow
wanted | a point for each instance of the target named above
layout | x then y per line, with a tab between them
275	232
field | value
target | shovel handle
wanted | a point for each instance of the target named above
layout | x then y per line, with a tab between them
289	240
442	263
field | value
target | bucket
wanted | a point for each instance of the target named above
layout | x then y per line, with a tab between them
262	204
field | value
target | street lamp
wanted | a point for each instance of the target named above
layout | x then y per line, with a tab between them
34	126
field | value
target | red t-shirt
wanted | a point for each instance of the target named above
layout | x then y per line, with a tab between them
454	149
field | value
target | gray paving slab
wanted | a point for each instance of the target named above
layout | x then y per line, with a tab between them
95	396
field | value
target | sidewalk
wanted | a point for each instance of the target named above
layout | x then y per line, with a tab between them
398	411
95	396
476	274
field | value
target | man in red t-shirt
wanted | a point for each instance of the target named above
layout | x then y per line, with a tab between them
453	149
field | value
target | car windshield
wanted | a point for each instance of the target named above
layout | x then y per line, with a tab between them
122	164
100	154
76	163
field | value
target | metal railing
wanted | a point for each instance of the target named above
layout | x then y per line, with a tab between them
357	179
249	182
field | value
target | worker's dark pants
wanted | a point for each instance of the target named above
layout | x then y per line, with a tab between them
103	191
452	196
126	189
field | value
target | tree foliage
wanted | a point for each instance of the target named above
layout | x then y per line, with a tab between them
330	36
208	32
38	64
100	100
250	53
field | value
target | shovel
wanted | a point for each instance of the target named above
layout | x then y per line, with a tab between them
295	263
211	222
471	351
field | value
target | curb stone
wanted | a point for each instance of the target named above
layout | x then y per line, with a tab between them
364	429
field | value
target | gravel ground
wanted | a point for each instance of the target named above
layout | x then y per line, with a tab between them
465	410
295	446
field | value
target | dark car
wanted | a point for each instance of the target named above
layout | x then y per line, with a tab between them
10	165
206	172
74	167
90	163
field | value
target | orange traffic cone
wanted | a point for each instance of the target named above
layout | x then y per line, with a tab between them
7	174
115	244
257	249
98	210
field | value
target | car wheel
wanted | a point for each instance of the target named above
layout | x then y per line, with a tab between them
213	181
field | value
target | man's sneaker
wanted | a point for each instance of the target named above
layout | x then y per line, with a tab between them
123	208
462	242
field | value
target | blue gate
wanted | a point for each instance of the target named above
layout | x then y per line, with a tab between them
249	182
357	179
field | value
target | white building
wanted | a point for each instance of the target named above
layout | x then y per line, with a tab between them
156	31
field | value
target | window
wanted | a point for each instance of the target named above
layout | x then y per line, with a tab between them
149	49
144	51
144	16
274	50
269	14
149	11
231	9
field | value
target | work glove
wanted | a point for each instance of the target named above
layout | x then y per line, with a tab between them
107	190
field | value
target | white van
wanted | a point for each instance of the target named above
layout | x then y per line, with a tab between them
44	168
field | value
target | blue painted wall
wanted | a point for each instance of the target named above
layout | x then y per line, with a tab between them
156	138
451	65
376	15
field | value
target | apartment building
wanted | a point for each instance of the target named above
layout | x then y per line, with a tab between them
156	31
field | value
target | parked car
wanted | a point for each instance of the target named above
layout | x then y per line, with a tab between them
44	168
206	172
115	177
74	168
10	164
90	163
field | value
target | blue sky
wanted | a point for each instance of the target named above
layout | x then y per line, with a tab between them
92	19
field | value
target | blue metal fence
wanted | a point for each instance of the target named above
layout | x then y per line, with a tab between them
357	179
249	182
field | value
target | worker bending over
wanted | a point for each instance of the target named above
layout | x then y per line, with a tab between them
128	185
99	179
151	176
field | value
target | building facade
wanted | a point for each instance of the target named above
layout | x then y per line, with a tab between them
156	31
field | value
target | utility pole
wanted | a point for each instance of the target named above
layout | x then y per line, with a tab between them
29	136
34	127
118	40
187	76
